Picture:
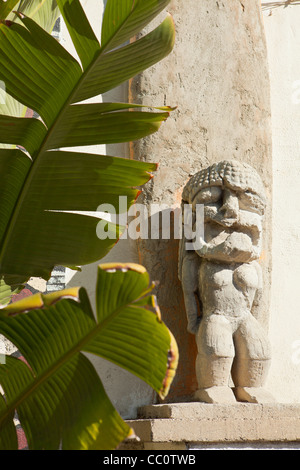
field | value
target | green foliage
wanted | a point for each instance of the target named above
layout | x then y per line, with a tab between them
41	183
45	13
58	395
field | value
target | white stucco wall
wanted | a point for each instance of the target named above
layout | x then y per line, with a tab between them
283	43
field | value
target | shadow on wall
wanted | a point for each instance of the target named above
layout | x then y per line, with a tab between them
159	254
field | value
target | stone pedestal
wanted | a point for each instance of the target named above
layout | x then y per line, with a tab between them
196	426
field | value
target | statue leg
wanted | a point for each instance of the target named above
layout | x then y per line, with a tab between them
251	363
214	360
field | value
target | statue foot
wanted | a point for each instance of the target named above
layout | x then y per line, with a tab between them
216	394
253	395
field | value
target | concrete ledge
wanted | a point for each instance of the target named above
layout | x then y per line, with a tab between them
181	425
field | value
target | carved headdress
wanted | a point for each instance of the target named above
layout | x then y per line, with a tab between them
228	173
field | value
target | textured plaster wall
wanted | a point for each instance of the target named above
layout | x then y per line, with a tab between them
218	78
283	43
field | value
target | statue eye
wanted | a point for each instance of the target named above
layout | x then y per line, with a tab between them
208	195
250	201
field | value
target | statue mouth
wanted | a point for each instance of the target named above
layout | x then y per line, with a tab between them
220	238
244	221
217	232
213	215
224	221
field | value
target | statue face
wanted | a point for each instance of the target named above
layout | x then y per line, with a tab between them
228	212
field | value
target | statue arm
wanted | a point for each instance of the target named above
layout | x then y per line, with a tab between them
190	264
188	268
257	302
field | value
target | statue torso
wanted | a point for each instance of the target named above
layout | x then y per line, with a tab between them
228	289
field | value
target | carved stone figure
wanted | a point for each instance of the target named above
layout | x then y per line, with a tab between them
222	283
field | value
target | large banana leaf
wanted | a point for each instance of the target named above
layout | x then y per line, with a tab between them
58	395
39	180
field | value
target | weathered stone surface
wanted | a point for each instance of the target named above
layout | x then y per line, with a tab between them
188	424
217	76
222	281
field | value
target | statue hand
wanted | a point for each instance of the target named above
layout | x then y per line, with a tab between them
237	248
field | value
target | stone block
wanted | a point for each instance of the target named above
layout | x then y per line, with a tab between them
192	425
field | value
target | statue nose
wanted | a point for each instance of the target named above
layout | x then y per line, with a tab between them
230	207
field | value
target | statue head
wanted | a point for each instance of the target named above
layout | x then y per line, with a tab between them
234	201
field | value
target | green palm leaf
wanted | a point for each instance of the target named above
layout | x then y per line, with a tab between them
45	13
6	7
47	180
58	395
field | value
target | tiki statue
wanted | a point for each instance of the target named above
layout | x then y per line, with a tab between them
221	279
